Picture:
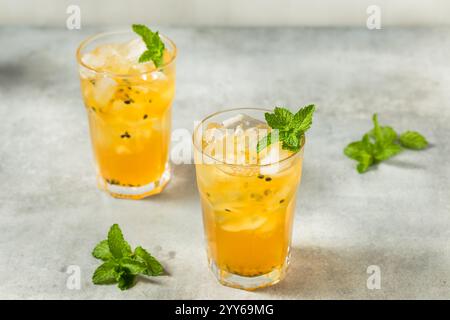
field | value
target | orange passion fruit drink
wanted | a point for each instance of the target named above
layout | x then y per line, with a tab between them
129	110
248	197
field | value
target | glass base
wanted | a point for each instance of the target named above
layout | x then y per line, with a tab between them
249	283
136	193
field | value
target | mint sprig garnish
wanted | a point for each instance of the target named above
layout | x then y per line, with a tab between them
291	127
122	265
155	46
382	143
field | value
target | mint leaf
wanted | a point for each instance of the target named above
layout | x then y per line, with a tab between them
101	251
353	150
154	268
368	146
365	161
117	244
413	140
388	135
126	280
146	56
361	151
155	46
145	33
106	273
302	120
291	142
376	129
290	147
284	115
387	152
264	142
280	119
133	266
291	127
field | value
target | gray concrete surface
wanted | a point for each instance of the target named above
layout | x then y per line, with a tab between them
395	216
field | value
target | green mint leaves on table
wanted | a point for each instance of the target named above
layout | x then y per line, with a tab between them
120	264
382	143
291	127
155	46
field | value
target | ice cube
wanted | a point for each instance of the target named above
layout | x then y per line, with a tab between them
93	60
271	161
102	56
132	50
253	136
269	226
233	121
275	153
244	120
158	76
243	223
107	51
242	171
234	142
121	150
239	131
85	73
104	90
213	134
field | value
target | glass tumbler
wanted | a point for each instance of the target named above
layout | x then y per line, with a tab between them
129	117
248	211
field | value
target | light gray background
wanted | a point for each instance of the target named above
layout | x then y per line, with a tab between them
395	216
226	12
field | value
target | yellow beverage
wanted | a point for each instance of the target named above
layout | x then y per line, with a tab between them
129	111
248	204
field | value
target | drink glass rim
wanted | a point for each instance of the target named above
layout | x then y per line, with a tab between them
240	165
94	37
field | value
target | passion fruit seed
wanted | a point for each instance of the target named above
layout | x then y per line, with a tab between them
125	135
